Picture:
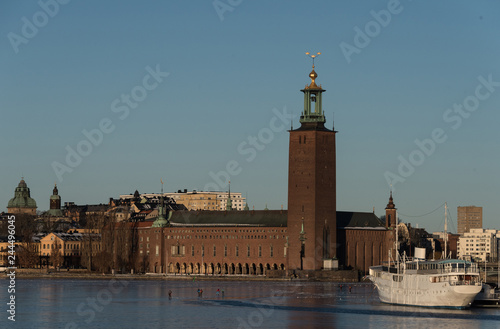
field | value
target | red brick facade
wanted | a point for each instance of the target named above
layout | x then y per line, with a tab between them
213	250
312	196
363	248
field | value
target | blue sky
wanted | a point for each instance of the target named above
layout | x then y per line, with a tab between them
230	70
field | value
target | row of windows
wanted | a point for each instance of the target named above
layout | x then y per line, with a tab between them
179	250
65	254
68	246
222	231
477	245
243	237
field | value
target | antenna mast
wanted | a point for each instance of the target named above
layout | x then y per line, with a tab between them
445	230
397	243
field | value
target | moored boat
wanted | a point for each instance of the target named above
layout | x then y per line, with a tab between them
449	283
487	297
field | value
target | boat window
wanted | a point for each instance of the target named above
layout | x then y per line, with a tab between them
397	278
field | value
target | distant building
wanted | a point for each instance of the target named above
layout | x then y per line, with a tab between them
469	217
197	200
451	244
481	244
70	247
237	201
80	213
22	203
55	204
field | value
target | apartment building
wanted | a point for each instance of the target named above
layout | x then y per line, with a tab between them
480	244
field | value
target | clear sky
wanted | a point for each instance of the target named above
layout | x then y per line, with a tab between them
183	89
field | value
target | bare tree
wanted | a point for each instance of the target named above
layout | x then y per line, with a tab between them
27	255
56	257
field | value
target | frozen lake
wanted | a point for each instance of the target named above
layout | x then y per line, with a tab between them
65	303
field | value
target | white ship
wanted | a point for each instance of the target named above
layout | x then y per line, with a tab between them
448	283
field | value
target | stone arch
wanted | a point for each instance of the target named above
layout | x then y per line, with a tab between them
177	268
275	266
171	268
253	269
261	269
197	268
211	268
231	268
183	268
239	269
282	266
246	269
268	267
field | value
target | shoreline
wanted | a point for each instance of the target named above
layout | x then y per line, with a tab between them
147	277
84	275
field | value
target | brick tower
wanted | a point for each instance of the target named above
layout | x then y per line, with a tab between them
311	185
390	213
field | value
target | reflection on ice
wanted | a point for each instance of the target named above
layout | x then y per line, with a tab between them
245	304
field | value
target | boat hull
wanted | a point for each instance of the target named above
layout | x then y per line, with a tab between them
419	290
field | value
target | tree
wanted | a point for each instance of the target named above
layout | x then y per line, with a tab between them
27	255
56	257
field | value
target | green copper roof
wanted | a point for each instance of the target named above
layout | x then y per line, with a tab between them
55	213
22	197
161	221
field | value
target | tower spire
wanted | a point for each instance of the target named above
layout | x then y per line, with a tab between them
390	213
161	220
313	111
229	203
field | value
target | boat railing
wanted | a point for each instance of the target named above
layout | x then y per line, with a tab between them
389	269
466	270
465	283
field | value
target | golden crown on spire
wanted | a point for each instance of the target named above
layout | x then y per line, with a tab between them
313	75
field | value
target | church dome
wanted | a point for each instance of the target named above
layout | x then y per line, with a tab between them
22	197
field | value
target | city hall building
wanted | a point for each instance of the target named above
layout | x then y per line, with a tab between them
311	235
